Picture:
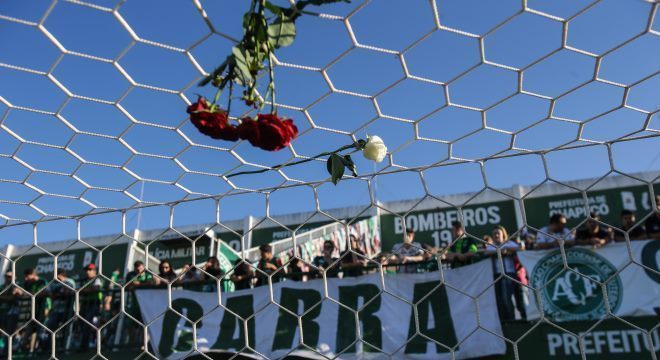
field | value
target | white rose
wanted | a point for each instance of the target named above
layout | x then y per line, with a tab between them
375	149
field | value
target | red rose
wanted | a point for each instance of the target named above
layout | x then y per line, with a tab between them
274	134
229	133
291	128
268	132
249	130
211	123
200	105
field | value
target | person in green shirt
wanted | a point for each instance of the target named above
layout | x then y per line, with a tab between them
135	279
326	262
430	262
9	310
463	249
268	266
43	303
111	301
90	297
139	276
63	292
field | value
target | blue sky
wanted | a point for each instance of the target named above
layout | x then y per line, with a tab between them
146	119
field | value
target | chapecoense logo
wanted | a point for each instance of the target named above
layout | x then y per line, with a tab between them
576	292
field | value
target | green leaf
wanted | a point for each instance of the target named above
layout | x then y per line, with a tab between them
281	32
297	10
277	10
348	162
335	167
241	65
328	165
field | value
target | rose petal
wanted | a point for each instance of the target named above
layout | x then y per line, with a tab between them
249	130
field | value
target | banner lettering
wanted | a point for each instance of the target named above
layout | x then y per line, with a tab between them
369	319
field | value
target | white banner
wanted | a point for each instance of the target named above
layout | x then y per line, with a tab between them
577	294
385	322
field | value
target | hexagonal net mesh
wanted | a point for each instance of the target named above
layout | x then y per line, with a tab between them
516	212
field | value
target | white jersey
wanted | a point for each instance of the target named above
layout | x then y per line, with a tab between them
415	249
545	236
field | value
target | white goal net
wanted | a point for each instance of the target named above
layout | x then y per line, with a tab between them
516	213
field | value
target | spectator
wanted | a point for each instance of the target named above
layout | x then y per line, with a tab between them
68	284
592	233
628	221
139	276
506	289
165	274
211	273
430	262
63	291
242	275
326	262
8	309
652	224
408	252
526	239
110	287
136	278
463	248
212	269
190	274
114	278
297	269
32	282
388	262
488	240
552	235
353	260
111	306
34	285
91	299
268	266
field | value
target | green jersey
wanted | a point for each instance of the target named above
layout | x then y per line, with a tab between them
142	278
42	301
91	292
463	245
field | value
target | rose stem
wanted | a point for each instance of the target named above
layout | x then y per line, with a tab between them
277	167
231	91
271	85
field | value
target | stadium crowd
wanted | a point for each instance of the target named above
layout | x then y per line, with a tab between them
99	297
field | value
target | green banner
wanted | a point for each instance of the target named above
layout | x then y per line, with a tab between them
610	339
231	239
179	251
226	256
433	226
72	260
607	203
267	235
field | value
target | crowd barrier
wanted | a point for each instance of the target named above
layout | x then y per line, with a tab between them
75	327
121	330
